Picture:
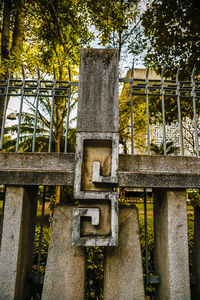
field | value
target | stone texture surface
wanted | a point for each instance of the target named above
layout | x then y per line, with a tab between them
134	170
196	254
17	242
37	168
104	227
171	244
159	171
97	237
96	150
65	270
98	104
123	277
106	182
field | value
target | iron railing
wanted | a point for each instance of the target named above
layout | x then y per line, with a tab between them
148	88
164	89
36	89
161	88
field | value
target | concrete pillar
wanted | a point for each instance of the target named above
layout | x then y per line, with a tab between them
196	254
17	242
123	277
65	269
98	103
171	244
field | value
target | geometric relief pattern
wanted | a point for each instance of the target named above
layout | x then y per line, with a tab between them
95	219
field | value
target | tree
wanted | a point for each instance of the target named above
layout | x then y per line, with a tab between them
42	130
114	20
172	31
60	29
12	35
172	35
159	150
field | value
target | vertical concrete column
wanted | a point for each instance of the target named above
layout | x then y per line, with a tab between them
98	102
123	277
17	242
65	269
171	244
196	254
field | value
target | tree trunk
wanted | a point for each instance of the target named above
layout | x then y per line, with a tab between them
5	38
18	32
5	47
17	38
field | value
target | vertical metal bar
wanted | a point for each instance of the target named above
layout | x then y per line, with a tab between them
132	141
36	109
5	108
68	111
20	110
163	110
146	241
1	223
147	105
52	110
41	236
193	94
179	111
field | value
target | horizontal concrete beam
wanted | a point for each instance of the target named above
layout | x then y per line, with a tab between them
134	170
37	168
159	171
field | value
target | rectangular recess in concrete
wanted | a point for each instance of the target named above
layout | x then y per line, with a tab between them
95	150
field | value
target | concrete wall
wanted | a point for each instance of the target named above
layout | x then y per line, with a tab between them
134	170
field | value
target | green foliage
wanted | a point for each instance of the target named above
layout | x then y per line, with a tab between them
44	250
159	150
139	119
61	29
115	21
194	197
190	240
150	290
94	273
172	30
42	131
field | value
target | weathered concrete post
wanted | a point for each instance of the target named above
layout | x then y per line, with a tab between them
123	278
171	244
95	217
97	147
17	242
65	269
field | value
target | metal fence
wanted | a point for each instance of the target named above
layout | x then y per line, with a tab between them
32	93
163	89
49	91
36	89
